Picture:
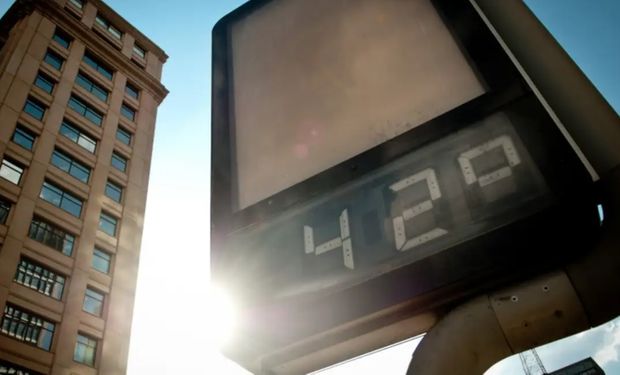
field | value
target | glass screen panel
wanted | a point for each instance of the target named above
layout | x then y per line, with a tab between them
316	83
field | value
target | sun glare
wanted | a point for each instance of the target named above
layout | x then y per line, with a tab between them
222	316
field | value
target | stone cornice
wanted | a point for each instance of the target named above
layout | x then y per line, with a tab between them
100	47
127	27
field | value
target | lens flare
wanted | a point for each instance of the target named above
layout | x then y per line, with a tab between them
222	316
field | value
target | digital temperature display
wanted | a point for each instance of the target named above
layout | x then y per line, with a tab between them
373	160
449	191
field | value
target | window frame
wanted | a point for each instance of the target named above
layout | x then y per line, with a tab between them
88	84
119	159
27	327
77	3
21	132
104	257
139	51
94	301
73	168
12	368
62	197
37	105
126	136
85	110
12	166
128	112
5	210
40	278
106	218
116	188
109	27
89	345
101	68
81	138
55	60
52	236
132	91
62	38
48	83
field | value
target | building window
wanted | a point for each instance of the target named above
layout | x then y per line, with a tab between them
27	327
54	59
13	369
93	302
108	26
101	261
61	199
24	137
35	276
9	170
44	82
94	63
78	3
75	135
107	224
71	166
92	87
34	108
85	350
123	135
52	236
132	91
5	209
139	51
119	162
113	191
62	38
85	110
128	112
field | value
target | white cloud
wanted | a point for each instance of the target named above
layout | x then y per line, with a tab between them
610	350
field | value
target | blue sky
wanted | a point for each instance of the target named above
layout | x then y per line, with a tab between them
589	31
174	311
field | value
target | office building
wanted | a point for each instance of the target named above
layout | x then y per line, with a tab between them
79	91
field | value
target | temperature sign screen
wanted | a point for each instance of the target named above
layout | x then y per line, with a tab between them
373	160
317	82
451	190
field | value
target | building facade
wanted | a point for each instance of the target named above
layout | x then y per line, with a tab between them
79	91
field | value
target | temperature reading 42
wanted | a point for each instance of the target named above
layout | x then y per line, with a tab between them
416	213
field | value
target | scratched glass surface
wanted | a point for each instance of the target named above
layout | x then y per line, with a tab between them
445	193
318	82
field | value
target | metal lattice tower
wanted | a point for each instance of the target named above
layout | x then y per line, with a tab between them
531	362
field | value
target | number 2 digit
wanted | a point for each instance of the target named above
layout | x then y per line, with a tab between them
402	242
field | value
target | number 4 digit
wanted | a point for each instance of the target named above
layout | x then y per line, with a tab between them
343	241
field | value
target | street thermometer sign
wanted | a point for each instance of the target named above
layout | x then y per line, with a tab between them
374	154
